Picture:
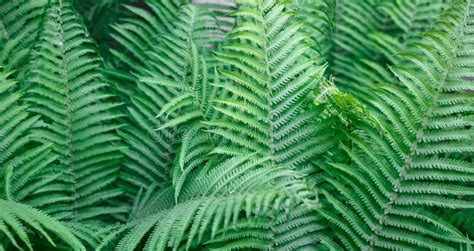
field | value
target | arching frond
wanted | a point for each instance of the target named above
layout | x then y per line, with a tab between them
196	147
408	19
353	23
158	40
17	220
298	229
68	91
90	234
203	215
404	167
192	92
268	85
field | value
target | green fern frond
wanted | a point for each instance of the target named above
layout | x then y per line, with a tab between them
298	229
99	15
195	150
368	35
318	22
68	91
268	86
20	21
193	92
353	23
164	91
408	19
17	220
90	234
198	220
154	199
25	165
404	167
162	35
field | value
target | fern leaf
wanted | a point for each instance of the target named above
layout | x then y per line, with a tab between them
199	219
401	169
269	84
68	91
21	21
16	219
159	91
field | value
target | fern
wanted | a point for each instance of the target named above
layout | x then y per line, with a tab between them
270	84
318	22
158	92
203	213
20	22
367	36
398	174
98	17
64	81
236	125
17	219
22	165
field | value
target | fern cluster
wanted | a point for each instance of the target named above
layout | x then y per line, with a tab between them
236	125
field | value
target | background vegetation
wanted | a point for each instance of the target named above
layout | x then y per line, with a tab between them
227	125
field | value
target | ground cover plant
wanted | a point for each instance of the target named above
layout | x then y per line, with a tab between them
236	125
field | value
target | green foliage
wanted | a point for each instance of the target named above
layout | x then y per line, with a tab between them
66	89
25	174
165	85
236	125
405	166
267	89
25	164
20	22
18	220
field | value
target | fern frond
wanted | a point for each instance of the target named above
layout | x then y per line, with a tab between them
405	167
68	91
90	234
353	23
99	15
17	220
193	92
25	165
409	20
368	36
154	199
194	152
197	220
299	229
20	21
167	92
268	85
170	24
318	22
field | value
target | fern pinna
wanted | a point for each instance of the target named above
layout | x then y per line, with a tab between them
236	125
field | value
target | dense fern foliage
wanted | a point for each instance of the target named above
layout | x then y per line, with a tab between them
236	125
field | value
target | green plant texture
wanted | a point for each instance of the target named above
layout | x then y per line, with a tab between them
236	125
